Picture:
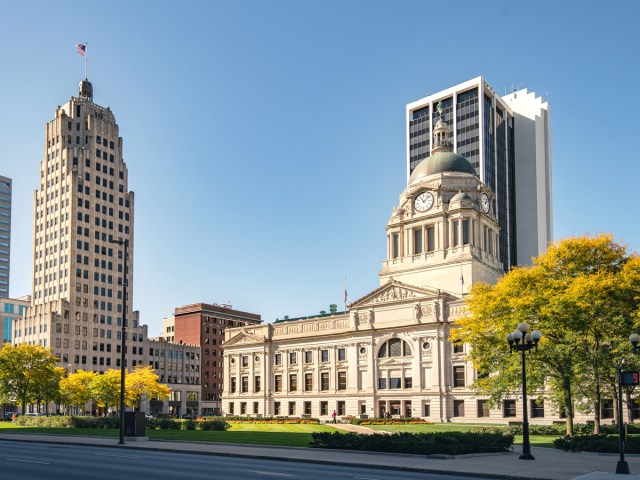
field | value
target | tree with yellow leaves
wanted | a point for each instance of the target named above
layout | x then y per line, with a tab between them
583	294
23	369
75	388
142	383
105	389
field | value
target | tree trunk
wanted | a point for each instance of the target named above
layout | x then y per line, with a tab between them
596	425
568	404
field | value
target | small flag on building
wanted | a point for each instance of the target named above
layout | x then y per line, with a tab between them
81	49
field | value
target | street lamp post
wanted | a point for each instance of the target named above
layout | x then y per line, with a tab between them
123	334
521	340
623	467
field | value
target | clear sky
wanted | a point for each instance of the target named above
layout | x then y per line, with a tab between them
265	140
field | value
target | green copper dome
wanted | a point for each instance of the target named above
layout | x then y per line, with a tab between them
442	162
458	197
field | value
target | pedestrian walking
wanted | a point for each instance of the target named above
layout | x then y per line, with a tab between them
334	415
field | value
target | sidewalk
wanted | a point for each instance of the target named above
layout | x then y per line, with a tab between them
550	464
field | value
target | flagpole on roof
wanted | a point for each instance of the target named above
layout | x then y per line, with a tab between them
85	60
345	293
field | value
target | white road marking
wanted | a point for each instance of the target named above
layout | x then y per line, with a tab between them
262	472
366	478
27	461
112	455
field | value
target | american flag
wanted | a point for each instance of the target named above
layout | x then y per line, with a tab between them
81	49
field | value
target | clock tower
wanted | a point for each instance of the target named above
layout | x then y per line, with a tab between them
443	234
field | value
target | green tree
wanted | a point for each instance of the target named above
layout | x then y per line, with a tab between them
23	368
583	295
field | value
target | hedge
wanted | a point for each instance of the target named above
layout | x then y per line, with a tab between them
114	422
598	443
451	443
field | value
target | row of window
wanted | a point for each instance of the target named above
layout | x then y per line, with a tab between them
291	408
308	386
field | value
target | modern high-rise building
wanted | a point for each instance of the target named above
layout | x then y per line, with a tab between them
5	235
81	206
10	310
507	140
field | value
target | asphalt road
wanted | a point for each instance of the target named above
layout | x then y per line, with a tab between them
35	461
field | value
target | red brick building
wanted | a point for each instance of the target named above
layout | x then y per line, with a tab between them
203	324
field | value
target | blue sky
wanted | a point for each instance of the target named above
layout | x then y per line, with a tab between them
265	140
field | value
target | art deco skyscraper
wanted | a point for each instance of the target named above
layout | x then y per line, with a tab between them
81	205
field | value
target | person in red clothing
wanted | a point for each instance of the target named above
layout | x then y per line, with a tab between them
334	415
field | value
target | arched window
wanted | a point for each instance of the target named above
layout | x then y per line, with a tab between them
394	347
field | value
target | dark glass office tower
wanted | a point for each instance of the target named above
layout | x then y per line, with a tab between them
482	130
5	235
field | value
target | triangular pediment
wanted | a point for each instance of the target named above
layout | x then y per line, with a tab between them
242	338
394	291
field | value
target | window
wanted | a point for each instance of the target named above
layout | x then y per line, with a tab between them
324	381
607	409
292	408
342	380
308	357
395	383
293	382
276	408
308	382
465	232
426	410
245	384
278	359
509	408
245	361
456	233
255	407
324	408
431	239
408	382
382	383
293	358
395	347
340	408
458	408
458	347
231	408
483	408
243	408
256	383
458	376
306	406
417	241
537	408
324	355
278	383
342	354
395	245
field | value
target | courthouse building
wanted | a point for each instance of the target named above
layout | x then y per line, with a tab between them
389	354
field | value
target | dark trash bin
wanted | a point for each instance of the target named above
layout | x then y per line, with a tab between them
134	423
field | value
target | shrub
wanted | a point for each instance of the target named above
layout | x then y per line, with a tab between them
58	421
187	425
96	422
597	443
452	443
217	425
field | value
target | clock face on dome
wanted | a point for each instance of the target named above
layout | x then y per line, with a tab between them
423	202
484	203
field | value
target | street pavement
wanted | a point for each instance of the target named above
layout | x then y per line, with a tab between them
549	463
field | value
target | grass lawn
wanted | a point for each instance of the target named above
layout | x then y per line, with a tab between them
536	440
286	435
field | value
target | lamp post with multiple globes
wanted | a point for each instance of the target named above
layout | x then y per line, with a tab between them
521	340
